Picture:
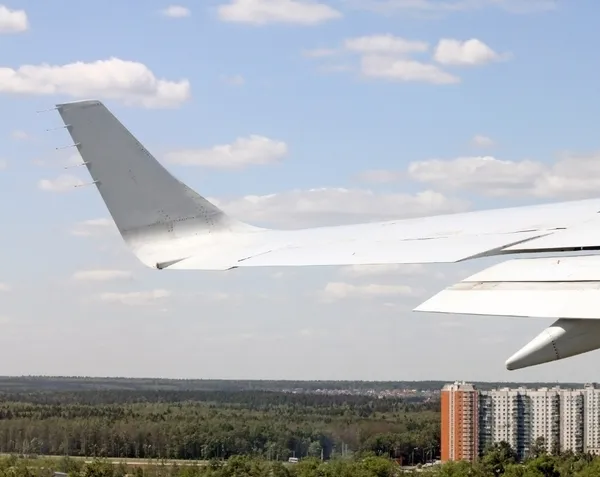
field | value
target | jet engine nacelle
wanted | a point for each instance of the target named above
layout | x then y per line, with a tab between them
566	337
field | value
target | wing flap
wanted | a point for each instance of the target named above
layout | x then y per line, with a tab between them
539	287
580	236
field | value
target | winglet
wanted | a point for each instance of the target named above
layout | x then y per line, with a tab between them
150	207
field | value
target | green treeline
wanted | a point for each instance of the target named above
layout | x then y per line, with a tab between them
207	425
495	464
66	383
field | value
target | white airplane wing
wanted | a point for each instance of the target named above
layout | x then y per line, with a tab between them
167	225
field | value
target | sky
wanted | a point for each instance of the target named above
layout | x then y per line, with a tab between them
286	113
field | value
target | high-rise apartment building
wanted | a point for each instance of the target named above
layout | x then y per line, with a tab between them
460	422
561	419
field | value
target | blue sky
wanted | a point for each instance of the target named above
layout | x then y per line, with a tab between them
334	112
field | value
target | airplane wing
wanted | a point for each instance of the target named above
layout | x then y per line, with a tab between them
167	225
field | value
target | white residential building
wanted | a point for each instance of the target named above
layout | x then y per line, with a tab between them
572	420
591	419
566	419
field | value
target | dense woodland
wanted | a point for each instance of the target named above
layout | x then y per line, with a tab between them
214	424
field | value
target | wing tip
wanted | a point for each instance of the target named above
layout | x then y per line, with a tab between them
79	103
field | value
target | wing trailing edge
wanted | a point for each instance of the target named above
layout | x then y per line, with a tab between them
556	287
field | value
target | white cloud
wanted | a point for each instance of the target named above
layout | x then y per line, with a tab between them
141	298
465	53
262	12
91	227
5	287
62	183
329	206
571	176
387	57
19	135
234	80
342	290
129	82
482	141
384	44
13	21
102	275
244	151
476	172
176	11
398	69
448	6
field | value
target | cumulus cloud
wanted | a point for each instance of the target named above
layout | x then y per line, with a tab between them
129	82
262	12
398	69
342	290
479	140
392	58
176	11
327	206
471	52
244	151
102	275
13	21
571	176
387	57
92	227
62	183
139	298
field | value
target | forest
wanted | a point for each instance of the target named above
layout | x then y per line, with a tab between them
204	425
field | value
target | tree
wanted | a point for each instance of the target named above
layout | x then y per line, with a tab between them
538	447
498	457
